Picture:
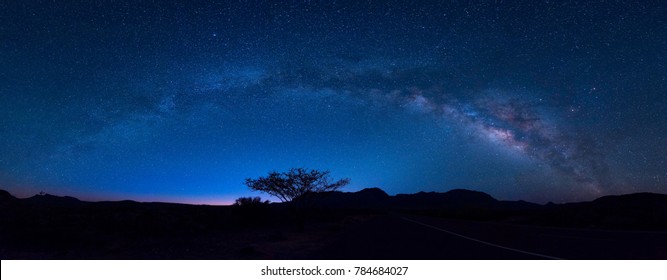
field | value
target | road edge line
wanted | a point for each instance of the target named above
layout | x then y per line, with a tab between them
481	241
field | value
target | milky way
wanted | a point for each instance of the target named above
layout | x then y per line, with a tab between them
164	101
517	126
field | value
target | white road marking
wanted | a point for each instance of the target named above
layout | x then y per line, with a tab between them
481	241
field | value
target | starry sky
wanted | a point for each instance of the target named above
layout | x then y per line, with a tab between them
180	101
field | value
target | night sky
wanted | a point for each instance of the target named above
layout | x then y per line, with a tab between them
158	101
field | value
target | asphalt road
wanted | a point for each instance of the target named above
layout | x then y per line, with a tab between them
417	237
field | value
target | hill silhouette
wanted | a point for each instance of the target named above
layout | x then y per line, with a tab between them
46	226
458	198
631	211
370	198
52	200
6	197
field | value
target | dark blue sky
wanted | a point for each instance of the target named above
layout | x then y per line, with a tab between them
159	101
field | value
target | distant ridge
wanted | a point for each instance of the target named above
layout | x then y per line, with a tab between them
370	198
377	198
5	197
641	200
630	211
48	199
452	199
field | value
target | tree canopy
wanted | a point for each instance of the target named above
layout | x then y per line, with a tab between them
294	183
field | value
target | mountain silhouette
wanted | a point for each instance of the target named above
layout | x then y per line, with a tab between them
64	227
6	197
52	200
629	211
458	198
369	198
636	200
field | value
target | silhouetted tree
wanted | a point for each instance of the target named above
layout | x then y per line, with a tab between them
295	183
294	186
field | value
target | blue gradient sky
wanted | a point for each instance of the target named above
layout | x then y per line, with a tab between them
162	101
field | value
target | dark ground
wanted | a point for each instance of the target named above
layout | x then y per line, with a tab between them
50	227
417	237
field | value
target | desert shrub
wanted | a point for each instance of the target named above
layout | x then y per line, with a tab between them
250	202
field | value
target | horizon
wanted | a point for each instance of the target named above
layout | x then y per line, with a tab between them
222	202
160	100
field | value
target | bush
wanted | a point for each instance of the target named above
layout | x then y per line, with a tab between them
250	202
